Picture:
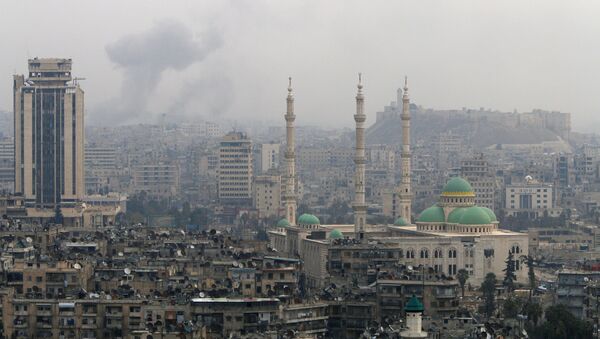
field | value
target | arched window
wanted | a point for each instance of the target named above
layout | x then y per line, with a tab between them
424	253
452	253
410	254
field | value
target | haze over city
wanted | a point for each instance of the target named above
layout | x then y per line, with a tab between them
299	170
231	59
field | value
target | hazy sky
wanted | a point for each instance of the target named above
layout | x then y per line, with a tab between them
232	58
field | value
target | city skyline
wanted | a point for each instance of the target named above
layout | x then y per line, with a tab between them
500	56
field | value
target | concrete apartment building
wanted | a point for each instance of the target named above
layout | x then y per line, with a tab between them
159	180
267	195
49	134
482	178
100	168
7	165
269	157
235	169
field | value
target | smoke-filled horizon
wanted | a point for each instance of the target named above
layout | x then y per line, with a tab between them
230	60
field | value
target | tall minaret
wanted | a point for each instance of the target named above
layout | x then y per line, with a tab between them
359	206
405	192
289	196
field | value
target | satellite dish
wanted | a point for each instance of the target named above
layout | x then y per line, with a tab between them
77	266
29	240
410	268
236	264
127	270
120	254
192	246
179	253
202	294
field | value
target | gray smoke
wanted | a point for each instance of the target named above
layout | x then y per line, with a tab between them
143	58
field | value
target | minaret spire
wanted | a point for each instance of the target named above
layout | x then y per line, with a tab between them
289	196
359	206
404	191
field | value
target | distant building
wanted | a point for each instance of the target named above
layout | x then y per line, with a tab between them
482	178
267	195
158	180
49	152
235	169
269	156
7	165
531	199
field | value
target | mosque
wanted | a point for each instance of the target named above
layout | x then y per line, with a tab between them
451	235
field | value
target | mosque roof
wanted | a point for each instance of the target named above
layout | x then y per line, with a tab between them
491	214
401	222
458	186
432	214
475	216
283	223
414	305
454	216
308	219
335	234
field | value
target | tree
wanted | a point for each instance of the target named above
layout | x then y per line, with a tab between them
511	307
58	215
533	311
488	288
559	324
509	273
529	261
462	277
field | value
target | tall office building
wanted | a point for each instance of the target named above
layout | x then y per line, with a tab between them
49	140
235	169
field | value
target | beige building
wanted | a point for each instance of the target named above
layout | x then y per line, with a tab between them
267	195
49	134
482	178
235	169
160	180
531	199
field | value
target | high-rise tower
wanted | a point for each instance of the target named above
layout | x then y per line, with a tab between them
289	196
404	191
49	144
359	206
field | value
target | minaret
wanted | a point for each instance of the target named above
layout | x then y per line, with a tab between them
289	196
405	192
359	206
414	315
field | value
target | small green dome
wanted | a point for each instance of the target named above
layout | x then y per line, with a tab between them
475	216
454	216
458	186
283	223
400	222
336	234
308	219
414	305
491	214
432	214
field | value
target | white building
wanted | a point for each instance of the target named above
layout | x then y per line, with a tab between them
531	199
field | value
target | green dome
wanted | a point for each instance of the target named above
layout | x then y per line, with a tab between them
336	234
491	214
400	222
414	305
308	219
475	216
458	186
283	223
432	214
454	216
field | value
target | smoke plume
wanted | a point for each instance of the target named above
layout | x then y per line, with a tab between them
144	57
